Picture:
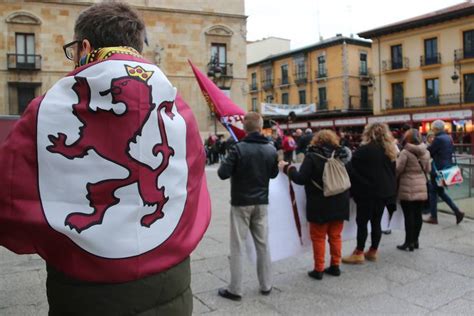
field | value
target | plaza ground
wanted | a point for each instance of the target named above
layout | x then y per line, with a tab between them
436	279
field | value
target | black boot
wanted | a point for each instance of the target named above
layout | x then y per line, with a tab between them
405	247
315	275
416	245
333	270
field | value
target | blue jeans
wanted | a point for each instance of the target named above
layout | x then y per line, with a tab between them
434	192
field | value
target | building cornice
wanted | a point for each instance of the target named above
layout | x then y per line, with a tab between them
320	45
145	8
416	23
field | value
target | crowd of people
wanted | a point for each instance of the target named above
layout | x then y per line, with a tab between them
380	173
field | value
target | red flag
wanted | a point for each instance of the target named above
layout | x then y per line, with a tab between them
103	176
226	111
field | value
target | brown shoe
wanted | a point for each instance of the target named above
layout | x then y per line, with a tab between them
371	255
357	257
459	217
431	220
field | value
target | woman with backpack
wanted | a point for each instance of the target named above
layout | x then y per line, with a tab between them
413	168
374	186
325	211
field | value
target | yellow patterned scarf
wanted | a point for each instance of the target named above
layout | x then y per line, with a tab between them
106	52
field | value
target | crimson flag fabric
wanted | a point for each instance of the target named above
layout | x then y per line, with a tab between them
103	176
226	111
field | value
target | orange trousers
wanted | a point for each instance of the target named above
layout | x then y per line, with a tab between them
318	234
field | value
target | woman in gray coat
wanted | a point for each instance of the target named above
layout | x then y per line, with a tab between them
413	168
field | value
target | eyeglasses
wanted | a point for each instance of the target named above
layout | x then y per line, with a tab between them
70	49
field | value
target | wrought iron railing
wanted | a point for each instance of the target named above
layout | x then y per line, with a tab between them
267	83
460	54
359	103
322	73
24	62
253	87
215	69
430	60
301	77
442	99
285	81
389	65
322	105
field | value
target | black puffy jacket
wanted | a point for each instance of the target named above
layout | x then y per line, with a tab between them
321	209
250	165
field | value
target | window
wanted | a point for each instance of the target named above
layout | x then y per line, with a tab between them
363	64
321	66
397	57
468	39
284	98
323	104
20	95
469	88
302	95
432	91
431	51
254	81
269	98
300	68
254	104
284	74
219	57
364	96
25	49
398	97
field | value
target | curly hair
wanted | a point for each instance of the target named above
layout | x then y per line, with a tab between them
109	24
325	137
380	134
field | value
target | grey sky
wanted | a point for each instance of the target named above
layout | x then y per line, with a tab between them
298	19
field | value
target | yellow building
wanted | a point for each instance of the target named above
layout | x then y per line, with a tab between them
32	34
423	68
328	79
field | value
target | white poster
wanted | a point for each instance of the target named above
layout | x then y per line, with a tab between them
283	236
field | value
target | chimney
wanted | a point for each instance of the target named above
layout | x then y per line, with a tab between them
339	35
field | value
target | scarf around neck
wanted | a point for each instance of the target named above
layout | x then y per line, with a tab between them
104	53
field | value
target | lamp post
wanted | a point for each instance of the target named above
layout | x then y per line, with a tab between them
455	77
219	76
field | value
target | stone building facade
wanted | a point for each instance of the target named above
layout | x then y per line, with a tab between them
32	34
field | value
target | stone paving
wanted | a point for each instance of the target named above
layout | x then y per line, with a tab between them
438	279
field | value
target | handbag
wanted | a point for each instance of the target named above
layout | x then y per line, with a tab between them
426	203
448	176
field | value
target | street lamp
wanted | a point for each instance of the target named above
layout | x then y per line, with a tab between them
455	77
221	75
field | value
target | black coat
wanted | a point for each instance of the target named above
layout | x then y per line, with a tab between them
250	165
320	209
372	173
441	150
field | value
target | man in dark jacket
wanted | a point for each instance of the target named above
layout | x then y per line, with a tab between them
441	150
250	165
302	144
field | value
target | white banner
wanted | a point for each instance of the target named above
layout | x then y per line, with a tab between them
283	235
285	109
389	119
461	114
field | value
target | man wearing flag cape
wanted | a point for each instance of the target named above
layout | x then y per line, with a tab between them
103	177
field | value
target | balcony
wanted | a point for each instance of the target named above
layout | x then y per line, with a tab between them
267	84
322	105
253	87
463	54
220	69
361	104
395	65
23	62
417	102
364	71
321	73
301	77
283	82
430	60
